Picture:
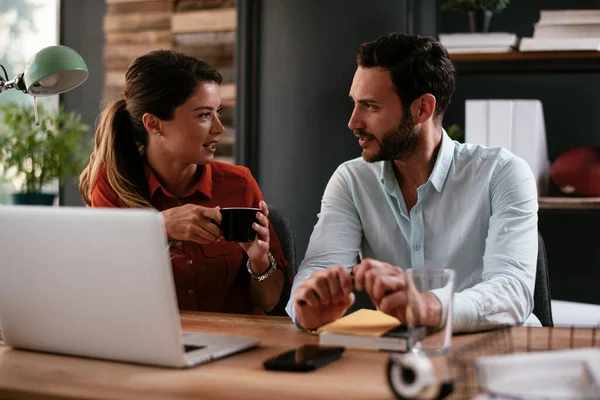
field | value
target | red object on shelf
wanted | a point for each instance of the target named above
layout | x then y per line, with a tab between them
578	171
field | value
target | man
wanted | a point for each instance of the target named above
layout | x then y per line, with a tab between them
417	199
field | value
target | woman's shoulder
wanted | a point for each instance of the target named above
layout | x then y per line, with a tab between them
103	195
223	170
101	177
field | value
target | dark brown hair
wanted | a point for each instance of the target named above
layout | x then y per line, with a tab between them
417	64
155	83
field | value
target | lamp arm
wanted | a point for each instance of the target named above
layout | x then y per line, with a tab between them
17	83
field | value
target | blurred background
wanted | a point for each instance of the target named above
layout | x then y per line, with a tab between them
287	68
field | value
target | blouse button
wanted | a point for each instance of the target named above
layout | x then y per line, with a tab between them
189	262
191	291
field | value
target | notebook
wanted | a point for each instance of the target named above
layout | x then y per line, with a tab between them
370	329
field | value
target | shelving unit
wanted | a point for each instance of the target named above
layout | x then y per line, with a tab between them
517	61
532	62
569	203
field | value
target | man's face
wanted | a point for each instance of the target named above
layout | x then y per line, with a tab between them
383	130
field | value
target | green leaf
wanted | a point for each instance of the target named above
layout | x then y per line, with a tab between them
456	133
472	5
57	147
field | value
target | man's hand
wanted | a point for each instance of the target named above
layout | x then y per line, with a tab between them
193	223
323	297
392	292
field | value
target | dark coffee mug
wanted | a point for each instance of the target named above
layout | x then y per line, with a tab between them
236	224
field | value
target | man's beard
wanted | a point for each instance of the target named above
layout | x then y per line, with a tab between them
398	144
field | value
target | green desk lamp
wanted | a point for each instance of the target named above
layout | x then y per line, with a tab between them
52	70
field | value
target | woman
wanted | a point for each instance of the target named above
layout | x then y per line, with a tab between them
155	148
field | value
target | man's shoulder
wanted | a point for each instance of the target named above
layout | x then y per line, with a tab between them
468	152
493	161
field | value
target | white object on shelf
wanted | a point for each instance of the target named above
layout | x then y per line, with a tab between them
478	50
566	31
568	17
495	39
516	125
560	44
500	123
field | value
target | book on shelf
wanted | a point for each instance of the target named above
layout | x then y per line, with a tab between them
477	43
370	329
567	31
478	50
560	44
569	17
495	39
569	202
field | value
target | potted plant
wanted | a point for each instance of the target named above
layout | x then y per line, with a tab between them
480	12
39	155
455	132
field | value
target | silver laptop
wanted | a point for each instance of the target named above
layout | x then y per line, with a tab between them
96	283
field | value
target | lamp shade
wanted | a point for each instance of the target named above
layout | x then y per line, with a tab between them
54	70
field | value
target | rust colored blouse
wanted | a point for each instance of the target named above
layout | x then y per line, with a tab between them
211	277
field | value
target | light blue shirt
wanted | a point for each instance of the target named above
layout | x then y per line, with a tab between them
476	214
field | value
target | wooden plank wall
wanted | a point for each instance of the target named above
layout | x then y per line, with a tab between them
205	29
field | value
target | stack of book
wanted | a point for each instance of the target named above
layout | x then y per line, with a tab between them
370	330
497	42
565	30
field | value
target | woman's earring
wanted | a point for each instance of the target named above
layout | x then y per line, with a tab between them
158	133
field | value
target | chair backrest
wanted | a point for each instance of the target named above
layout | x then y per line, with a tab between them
541	295
287	238
286	235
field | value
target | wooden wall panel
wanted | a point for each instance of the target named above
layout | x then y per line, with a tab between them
205	29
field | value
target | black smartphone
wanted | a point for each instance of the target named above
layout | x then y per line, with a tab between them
305	358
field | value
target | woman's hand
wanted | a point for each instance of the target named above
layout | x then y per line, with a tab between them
257	250
193	223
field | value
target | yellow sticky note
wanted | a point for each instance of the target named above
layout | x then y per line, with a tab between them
363	323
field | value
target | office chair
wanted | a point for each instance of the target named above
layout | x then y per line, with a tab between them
541	295
285	233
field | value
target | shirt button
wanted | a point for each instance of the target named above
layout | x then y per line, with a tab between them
417	246
189	262
191	291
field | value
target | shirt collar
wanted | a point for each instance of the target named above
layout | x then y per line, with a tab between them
204	184
440	169
442	164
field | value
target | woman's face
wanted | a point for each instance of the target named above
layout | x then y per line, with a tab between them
191	136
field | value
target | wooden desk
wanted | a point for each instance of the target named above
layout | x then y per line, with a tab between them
357	375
